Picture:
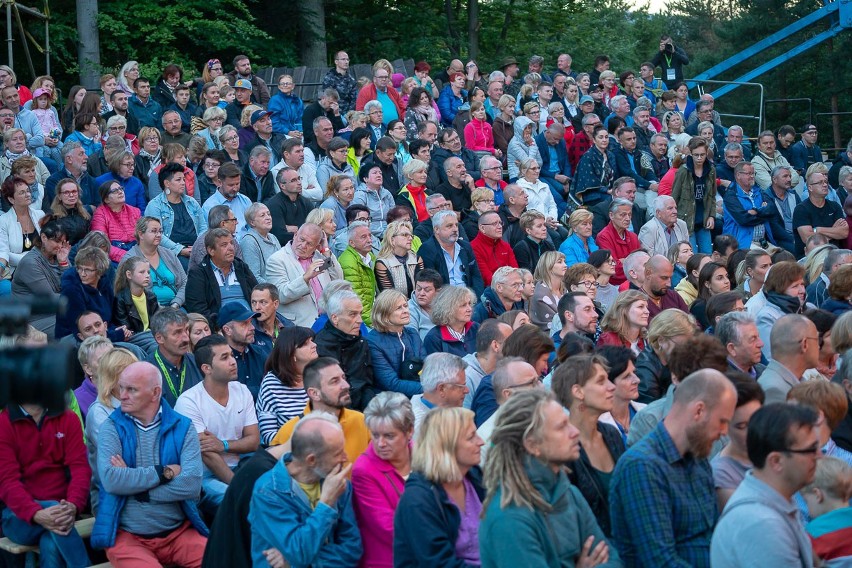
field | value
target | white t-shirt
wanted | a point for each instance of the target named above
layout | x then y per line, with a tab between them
224	422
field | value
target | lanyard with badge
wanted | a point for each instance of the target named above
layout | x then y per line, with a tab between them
168	376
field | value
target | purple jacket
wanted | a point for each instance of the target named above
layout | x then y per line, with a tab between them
86	394
376	487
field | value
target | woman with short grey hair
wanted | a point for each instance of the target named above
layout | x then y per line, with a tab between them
454	331
258	243
379	474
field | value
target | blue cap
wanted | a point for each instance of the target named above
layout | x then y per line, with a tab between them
234	311
586	99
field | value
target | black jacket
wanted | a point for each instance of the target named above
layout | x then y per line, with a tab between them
431	256
437	175
528	253
654	378
426	524
512	232
583	475
248	187
353	353
229	545
642	173
202	289
285	212
161	93
312	112
125	312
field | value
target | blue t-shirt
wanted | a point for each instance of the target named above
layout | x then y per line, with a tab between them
163	284
389	111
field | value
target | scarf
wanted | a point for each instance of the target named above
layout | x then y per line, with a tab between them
154	158
11	156
424	112
787	304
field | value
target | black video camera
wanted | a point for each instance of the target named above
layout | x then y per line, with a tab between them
32	375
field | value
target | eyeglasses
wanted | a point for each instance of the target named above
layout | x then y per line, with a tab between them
405	235
152	139
113	190
535	382
215	68
492	168
230	138
233	220
155	231
217	119
456	385
495	223
491	201
285	84
589	284
85	270
382	76
809	451
68	192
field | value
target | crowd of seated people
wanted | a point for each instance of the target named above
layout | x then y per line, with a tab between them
456	319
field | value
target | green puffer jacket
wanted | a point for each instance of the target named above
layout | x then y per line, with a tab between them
362	278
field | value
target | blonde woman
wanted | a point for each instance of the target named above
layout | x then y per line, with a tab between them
580	243
442	498
324	218
396	263
110	367
626	322
396	349
482	201
549	288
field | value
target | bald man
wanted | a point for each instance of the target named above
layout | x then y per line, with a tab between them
301	272
658	286
149	466
794	343
662	501
307	494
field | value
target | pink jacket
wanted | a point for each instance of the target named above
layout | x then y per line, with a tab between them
376	488
119	226
478	136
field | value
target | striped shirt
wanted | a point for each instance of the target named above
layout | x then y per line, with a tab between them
276	404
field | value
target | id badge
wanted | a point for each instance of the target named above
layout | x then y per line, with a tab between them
670	75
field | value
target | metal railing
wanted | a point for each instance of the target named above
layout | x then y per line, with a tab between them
759	117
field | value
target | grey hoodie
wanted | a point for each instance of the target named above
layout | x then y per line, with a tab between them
518	149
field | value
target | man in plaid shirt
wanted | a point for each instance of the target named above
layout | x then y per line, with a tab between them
662	502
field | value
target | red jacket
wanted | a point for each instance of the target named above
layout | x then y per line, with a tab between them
368	93
619	248
579	146
491	254
42	464
612	338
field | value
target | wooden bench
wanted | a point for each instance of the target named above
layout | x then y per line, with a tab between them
83	526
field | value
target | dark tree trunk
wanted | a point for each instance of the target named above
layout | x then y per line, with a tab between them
312	46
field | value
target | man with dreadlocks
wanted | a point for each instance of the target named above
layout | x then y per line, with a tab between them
530	500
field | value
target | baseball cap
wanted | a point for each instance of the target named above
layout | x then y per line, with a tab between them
243	84
808	128
258	114
234	311
39	92
586	99
596	87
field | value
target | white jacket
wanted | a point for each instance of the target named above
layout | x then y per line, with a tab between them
11	237
298	302
652	236
540	198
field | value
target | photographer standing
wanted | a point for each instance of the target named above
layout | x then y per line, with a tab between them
671	60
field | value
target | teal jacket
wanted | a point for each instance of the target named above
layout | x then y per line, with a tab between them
517	536
362	278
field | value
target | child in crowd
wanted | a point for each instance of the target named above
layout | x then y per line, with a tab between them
50	127
827	497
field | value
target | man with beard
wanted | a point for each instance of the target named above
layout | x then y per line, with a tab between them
237	322
760	525
222	412
170	327
328	391
658	287
578	315
119	101
303	506
662	501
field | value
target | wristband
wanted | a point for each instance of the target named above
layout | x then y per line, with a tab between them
225	443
